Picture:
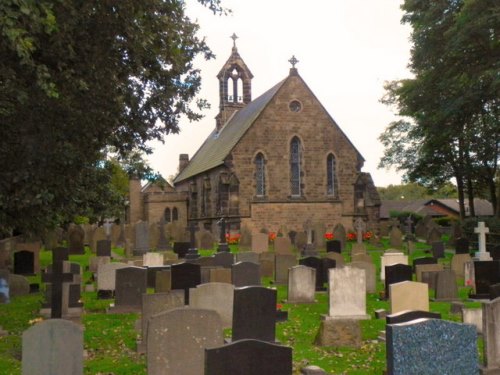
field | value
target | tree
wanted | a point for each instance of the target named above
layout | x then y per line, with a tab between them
449	126
412	191
77	77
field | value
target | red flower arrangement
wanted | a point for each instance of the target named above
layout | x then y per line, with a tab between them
328	236
233	239
367	235
272	236
351	236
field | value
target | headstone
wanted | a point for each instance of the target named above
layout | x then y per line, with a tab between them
362	258
185	276
205	240
301	240
446	286
245	238
358	248
177	339
371	283
360	227
181	248
193	251
338	258
153	304
282	263
18	285
390	258
282	245
301	284
462	246
152	259
131	284
458	264
248	256
163	240
431	346
491	334
481	231
249	357
98	234
473	316
424	260
315	263
486	273
141	238
347	293
24	262
437	249
223	245
106	277
409	295
56	279
32	263
53	347
433	235
421	268
339	233
245	274
224	259
396	238
266	261
214	296
76	240
220	275
163	281
254	313
260	242
103	248
409	315
396	273
333	246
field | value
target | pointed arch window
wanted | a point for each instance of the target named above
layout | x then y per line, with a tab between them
175	214
260	175
166	215
295	166
331	175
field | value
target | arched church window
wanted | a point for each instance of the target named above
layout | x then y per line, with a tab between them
331	175
295	166
167	216
175	214
260	175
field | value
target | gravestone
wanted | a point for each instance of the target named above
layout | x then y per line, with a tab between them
249	357
333	246
421	268
458	264
390	258
300	240
18	285
245	274
193	251
153	304
396	273
205	240
153	278
340	234
431	346
396	237
248	256
185	276
473	316
254	313
181	248
131	284
282	263
424	260
433	235
409	295
481	231
491	334
446	286
163	281
358	248
217	297
56	278
462	246
245	238
106	279
486	273
301	284
316	263
260	242
338	258
141	238
152	260
177	339
223	259
53	347
371	283
24	263
98	234
29	264
76	240
437	249
347	293
103	248
282	245
163	239
409	315
220	275
266	261
362	258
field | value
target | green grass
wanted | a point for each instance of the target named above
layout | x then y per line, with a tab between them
110	339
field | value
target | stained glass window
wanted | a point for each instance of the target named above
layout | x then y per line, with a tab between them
295	160
331	180
260	175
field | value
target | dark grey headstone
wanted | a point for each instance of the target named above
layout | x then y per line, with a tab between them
495	252
425	260
494	291
438	249
151	271
334	246
316	263
224	259
249	357
486	273
254	313
431	346
396	274
245	274
24	262
462	246
103	248
76	237
181	248
131	284
446	286
409	315
185	276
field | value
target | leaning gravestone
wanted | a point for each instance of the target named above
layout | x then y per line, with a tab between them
53	347
249	357
431	346
177	339
254	313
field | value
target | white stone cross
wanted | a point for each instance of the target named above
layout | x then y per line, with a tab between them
482	230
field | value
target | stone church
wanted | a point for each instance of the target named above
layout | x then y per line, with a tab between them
273	162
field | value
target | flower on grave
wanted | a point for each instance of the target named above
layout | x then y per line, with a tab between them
233	239
279	306
272	236
328	236
351	236
468	282
367	235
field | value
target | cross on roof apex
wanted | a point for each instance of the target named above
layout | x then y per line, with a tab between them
293	61
234	37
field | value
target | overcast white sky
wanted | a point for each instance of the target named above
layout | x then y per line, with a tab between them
346	49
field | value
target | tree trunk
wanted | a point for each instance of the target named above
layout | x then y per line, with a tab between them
461	195
470	197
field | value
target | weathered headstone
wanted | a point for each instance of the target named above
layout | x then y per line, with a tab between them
224	259
103	248
163	281
491	335
371	283
131	284
301	284
245	274
433	235
260	242
437	249
141	238
18	285
446	286
347	293
396	237
248	256
53	347
266	261
390	258
282	263
458	264
106	278
282	245
214	296
152	259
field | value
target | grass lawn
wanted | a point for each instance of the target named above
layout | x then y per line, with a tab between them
109	339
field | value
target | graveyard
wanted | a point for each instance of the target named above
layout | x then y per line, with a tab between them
338	305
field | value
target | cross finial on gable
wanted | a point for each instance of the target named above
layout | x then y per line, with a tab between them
293	61
234	37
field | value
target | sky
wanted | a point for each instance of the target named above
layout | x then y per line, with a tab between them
346	49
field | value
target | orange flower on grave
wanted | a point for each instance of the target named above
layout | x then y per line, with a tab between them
328	236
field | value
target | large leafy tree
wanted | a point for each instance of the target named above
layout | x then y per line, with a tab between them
77	77
449	126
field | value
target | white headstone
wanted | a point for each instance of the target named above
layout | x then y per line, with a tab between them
347	293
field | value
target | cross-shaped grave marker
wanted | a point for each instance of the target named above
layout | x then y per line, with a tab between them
223	246
482	230
57	278
360	226
193	251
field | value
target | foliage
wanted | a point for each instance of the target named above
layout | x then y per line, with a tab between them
413	191
78	77
449	110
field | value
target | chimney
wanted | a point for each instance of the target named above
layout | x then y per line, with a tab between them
183	161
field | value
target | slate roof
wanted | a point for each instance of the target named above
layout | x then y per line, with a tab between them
218	145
